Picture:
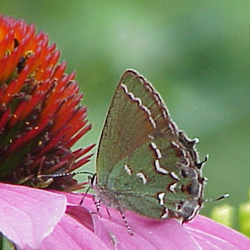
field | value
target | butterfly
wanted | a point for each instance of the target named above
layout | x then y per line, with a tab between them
145	164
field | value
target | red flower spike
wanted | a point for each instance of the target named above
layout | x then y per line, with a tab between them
40	112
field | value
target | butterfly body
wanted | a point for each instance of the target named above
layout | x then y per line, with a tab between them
144	163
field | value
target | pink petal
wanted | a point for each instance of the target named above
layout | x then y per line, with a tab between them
201	233
148	234
207	231
70	234
28	215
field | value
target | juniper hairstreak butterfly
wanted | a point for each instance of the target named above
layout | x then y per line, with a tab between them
144	162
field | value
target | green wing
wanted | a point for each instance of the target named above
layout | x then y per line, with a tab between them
144	163
128	125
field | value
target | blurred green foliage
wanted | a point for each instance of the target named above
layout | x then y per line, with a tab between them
196	53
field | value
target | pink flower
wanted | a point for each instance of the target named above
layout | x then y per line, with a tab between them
57	226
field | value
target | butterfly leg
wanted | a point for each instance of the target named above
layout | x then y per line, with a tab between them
84	195
126	222
108	213
97	203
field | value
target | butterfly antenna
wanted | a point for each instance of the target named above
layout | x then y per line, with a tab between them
64	174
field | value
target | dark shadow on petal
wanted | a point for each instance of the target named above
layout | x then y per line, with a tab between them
82	215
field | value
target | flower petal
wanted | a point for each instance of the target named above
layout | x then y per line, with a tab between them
147	234
71	234
200	233
28	215
209	232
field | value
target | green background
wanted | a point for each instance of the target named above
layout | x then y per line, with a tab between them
196	53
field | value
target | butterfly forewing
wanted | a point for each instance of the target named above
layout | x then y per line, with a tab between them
132	118
144	163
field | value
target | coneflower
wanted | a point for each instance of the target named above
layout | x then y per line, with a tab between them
41	116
